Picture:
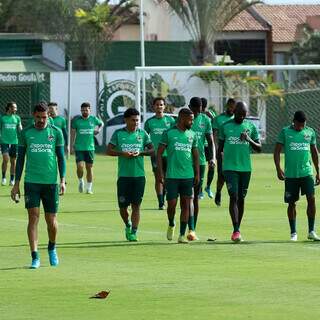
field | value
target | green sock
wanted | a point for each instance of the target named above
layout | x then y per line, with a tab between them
134	230
292	224
311	224
191	222
51	245
34	255
183	228
171	222
128	224
160	199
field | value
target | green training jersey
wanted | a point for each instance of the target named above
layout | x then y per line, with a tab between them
236	153
127	141
219	120
202	126
85	132
41	164
9	125
297	151
156	126
179	145
59	122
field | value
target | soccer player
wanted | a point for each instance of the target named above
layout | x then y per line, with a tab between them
216	126
211	114
202	127
85	127
237	137
43	147
155	126
130	144
10	125
298	140
58	121
182	171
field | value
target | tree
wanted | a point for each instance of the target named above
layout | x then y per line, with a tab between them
89	23
203	19
306	51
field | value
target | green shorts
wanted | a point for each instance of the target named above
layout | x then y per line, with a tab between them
294	185
85	156
130	190
176	187
154	165
47	193
237	183
11	149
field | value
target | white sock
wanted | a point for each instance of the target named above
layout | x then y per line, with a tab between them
81	180
89	186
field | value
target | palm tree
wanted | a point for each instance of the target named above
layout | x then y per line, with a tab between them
203	19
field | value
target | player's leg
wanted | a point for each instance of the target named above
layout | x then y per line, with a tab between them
232	182
5	161
291	196
137	193
185	189
13	156
50	200
307	188
244	180
220	182
210	173
32	204
80	168
89	157
171	186
124	200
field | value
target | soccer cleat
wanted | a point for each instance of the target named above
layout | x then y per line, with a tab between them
217	199
313	236
163	207
133	237
81	186
201	195
3	181
170	232
89	192
209	192
236	236
35	264
11	183
191	236
182	239
53	257
127	232
294	236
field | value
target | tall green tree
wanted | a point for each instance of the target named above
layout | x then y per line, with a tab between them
203	19
88	24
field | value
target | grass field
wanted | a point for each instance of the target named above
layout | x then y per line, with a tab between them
265	277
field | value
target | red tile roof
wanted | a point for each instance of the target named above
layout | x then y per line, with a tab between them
284	20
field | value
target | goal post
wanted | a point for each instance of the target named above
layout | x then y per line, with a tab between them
272	92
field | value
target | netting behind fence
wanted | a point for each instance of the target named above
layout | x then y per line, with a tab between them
272	96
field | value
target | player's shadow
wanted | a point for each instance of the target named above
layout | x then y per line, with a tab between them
104	244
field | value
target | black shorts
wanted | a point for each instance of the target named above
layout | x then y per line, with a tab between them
47	193
130	190
293	186
237	183
85	156
176	187
11	149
